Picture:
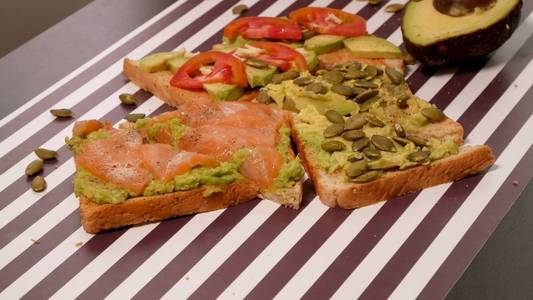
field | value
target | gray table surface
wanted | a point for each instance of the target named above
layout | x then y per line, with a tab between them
41	55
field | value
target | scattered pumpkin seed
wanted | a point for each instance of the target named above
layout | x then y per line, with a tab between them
409	59
301	81
371	152
371	72
398	128
354	74
128	99
433	114
394	75
354	66
402	101
366	95
38	184
256	63
358	91
357	168
133	117
367	177
342	90
289	75
334	77
360	144
334	117
290	105
418	156
333	146
355	157
333	130
394	8
263	97
383	143
45	154
355	122
417	140
352	135
308	34
365	84
400	140
374	121
62	113
34	167
317	88
239	9
374	2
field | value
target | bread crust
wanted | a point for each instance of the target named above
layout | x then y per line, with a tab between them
333	191
97	217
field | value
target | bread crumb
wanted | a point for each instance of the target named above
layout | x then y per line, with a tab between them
187	278
515	182
34	241
78	244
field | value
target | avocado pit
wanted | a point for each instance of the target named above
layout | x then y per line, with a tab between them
459	8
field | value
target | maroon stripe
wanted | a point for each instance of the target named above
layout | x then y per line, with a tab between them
251	248
369	10
476	236
103	92
80	79
420	77
387	28
189	256
339	4
438	217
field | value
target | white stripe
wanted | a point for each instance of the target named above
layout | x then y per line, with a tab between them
89	63
155	263
361	277
379	18
332	247
256	270
444	243
101	79
221	251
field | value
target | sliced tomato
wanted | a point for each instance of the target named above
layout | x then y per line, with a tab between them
281	56
329	21
263	28
226	69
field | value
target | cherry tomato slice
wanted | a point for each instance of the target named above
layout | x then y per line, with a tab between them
226	69
263	28
329	21
281	56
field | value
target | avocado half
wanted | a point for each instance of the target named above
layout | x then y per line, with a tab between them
437	39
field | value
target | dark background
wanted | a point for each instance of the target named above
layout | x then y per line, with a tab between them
83	28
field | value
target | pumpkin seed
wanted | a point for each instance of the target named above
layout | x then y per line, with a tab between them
409	59
371	152
334	117
360	144
239	9
45	154
357	168
62	113
398	128
358	91
355	122
317	88
38	184
374	121
394	75
290	105
333	130
354	66
334	77
289	75
333	146
34	167
402	101
433	114
263	97
394	8
301	81
417	140
256	63
128	99
133	117
321	72
374	2
308	34
367	177
365	84
355	157
400	140
354	74
383	143
342	90
371	72
418	156
352	135
366	95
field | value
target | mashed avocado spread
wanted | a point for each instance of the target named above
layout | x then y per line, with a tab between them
74	143
291	170
174	126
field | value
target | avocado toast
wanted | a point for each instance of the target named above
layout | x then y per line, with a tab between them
199	158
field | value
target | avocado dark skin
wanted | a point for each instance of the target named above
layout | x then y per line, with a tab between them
476	44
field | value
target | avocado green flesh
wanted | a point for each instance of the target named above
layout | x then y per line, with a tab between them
324	43
291	171
223	91
158	61
259	76
423	25
369	46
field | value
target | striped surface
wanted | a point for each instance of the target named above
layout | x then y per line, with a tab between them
415	245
